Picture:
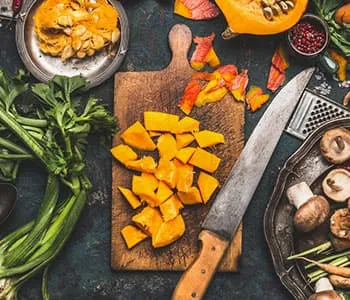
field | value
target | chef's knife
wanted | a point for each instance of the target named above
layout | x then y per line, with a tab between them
227	211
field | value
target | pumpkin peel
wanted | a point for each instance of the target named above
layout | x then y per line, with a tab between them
204	53
279	65
256	98
189	97
196	9
342	63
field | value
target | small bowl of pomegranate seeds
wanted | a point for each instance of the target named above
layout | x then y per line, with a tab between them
309	37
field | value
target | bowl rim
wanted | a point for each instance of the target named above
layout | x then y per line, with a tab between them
43	75
323	24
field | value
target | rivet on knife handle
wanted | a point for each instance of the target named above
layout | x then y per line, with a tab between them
196	279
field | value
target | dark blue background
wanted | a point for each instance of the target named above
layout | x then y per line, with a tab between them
82	271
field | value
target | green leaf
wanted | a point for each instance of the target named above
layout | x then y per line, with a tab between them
70	85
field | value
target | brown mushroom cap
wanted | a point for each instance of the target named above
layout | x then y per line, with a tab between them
326	295
340	223
340	244
336	185
312	214
335	145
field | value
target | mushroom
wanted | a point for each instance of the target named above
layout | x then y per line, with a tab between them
339	244
312	210
336	185
335	145
340	223
325	291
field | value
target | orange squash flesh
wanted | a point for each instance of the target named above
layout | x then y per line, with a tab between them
166	172
204	160
151	180
166	145
149	220
183	140
207	138
246	16
132	236
159	121
184	176
130	197
137	136
207	185
123	153
141	187
191	197
145	164
185	154
163	192
170	208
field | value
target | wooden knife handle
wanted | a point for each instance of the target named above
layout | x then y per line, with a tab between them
196	279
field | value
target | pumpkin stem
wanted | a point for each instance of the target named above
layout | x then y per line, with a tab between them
229	34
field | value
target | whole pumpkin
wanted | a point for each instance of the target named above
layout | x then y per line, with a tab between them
260	17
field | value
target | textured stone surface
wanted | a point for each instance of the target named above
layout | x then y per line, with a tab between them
82	271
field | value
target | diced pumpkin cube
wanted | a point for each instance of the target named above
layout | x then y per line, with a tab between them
154	133
137	136
192	196
184	176
207	184
185	154
132	236
183	140
149	220
163	192
169	232
166	146
159	121
207	138
152	180
130	197
170	208
145	164
187	124
141	187
166	172
205	160
123	153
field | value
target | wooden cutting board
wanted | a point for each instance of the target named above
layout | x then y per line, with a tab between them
136	92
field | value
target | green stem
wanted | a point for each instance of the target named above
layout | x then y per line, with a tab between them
328	258
31	122
33	129
20	254
12	146
318	249
16	156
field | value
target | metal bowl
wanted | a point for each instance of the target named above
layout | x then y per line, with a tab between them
95	69
306	164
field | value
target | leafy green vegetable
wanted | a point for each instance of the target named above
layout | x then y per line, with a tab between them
340	35
57	137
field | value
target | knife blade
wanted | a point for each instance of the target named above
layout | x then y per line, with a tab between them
227	211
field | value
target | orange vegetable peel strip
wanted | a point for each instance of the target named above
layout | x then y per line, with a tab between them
256	98
189	97
279	65
342	62
238	85
204	53
196	9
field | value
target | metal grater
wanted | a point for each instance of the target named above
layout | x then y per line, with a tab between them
312	111
6	8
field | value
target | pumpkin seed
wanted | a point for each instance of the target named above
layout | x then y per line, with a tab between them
67	53
65	21
91	52
81	54
283	6
79	30
290	4
76	44
115	36
276	9
265	3
268	13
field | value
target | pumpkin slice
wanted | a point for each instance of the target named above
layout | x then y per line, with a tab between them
123	153
341	60
187	124
204	160
227	72
163	192
145	164
256	98
207	185
166	172
141	187
132	236
196	9
207	138
252	17
169	232
184	176
191	197
214	91
183	140
137	136
152	180
185	154
170	209
167	146
154	133
204	53
189	96
130	197
149	220
238	85
159	121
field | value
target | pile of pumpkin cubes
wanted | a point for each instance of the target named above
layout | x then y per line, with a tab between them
162	188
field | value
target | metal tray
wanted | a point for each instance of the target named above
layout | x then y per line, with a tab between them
95	69
306	164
